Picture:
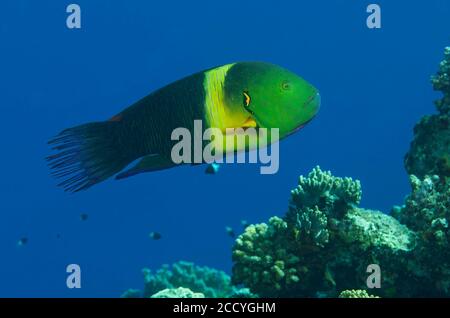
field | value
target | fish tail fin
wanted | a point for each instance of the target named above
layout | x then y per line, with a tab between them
87	154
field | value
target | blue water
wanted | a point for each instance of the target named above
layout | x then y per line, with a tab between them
374	86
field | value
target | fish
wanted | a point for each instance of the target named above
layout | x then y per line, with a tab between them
22	242
155	236
229	230
212	168
84	216
236	95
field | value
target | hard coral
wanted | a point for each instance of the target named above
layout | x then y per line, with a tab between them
208	281
263	263
179	292
322	245
355	293
430	149
427	212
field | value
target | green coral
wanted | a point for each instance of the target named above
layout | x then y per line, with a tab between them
311	225
210	282
179	292
427	208
371	229
321	188
266	273
429	153
427	212
323	244
355	293
319	197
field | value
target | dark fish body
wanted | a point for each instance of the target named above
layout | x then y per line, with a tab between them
155	235
93	152
212	168
23	241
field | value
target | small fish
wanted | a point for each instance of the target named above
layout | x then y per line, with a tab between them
155	236
84	216
237	95
230	231
244	223
22	242
212	168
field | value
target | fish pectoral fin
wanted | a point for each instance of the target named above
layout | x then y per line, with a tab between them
250	122
148	163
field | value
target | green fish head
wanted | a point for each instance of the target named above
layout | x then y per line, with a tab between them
278	98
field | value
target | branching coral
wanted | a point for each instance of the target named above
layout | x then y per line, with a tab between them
327	192
320	197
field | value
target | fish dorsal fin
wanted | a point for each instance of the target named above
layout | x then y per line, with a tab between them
148	163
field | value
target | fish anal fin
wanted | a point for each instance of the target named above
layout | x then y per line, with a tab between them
148	163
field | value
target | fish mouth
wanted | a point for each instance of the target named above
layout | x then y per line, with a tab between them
314	99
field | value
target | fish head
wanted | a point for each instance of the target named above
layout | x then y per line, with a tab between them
277	98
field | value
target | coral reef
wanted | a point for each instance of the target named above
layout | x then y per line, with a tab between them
427	212
427	208
179	292
264	264
210	282
430	149
355	293
323	244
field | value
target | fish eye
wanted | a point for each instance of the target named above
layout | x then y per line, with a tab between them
286	85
